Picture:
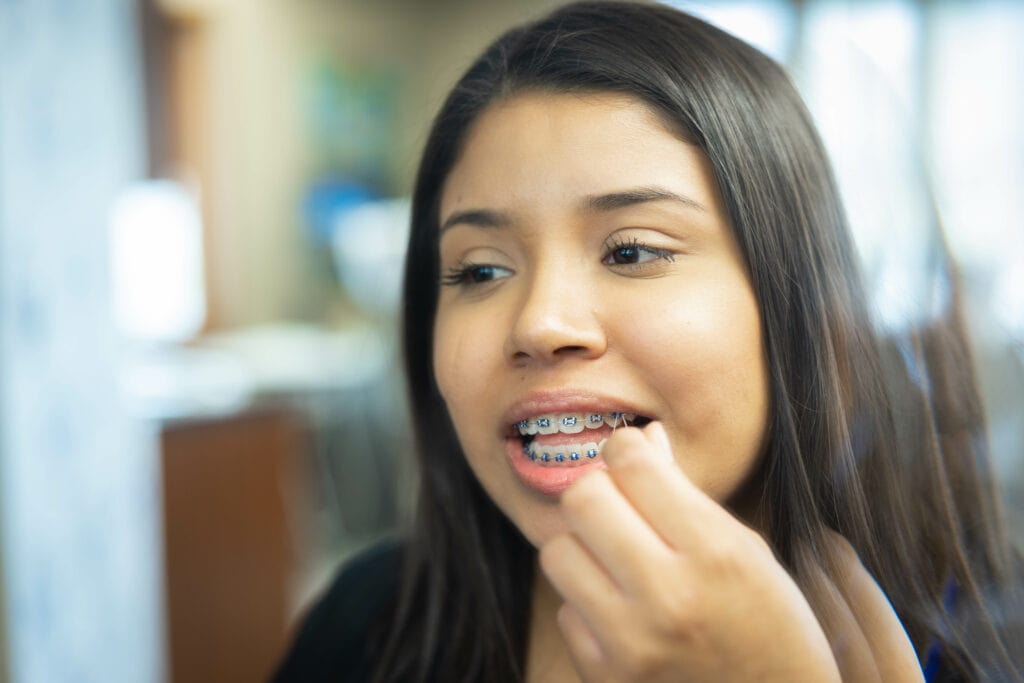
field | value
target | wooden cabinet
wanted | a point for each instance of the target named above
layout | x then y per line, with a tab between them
228	487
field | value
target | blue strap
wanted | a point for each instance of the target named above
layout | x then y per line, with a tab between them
934	657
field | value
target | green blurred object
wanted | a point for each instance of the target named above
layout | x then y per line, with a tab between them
351	116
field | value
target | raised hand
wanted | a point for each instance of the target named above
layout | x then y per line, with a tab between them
661	583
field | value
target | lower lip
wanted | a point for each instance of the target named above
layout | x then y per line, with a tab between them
545	479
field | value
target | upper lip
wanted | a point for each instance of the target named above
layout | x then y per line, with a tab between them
566	401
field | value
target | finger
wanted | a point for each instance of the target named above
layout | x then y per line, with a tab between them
618	537
850	643
584	648
641	464
582	582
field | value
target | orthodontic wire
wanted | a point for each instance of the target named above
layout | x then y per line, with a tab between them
615	424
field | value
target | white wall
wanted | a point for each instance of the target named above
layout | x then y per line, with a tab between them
77	482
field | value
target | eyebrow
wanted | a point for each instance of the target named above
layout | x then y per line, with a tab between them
639	195
481	218
487	218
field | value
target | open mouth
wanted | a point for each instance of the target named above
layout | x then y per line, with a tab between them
567	439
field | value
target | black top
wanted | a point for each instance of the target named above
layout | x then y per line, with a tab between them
336	639
340	634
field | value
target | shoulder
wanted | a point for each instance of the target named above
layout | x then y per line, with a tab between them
334	640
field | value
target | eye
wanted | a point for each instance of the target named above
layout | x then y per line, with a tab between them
470	274
633	253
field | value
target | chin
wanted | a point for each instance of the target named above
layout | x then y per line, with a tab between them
540	526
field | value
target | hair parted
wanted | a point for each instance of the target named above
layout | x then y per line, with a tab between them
855	445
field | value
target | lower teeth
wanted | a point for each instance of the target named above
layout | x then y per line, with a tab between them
571	454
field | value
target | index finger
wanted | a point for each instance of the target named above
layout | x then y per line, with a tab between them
642	465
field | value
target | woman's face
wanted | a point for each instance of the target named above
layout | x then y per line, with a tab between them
589	270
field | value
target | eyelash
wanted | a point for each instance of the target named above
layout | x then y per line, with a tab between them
633	244
462	274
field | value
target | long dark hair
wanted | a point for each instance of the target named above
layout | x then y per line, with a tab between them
889	454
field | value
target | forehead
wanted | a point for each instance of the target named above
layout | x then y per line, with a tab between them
539	149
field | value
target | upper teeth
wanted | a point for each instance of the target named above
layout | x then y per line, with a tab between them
572	423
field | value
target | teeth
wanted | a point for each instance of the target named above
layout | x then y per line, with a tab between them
565	455
572	423
614	420
526	427
547	425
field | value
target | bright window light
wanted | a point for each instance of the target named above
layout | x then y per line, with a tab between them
767	26
157	263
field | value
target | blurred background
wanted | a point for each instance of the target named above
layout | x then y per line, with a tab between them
203	206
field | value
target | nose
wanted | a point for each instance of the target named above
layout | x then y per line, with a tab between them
556	319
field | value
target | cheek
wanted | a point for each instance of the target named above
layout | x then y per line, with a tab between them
446	351
707	358
460	363
714	339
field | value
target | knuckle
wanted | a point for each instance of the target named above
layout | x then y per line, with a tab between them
722	560
640	661
677	615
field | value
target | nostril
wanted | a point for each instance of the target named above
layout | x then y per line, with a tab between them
536	336
571	349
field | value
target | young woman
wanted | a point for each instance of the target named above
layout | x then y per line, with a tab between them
658	437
